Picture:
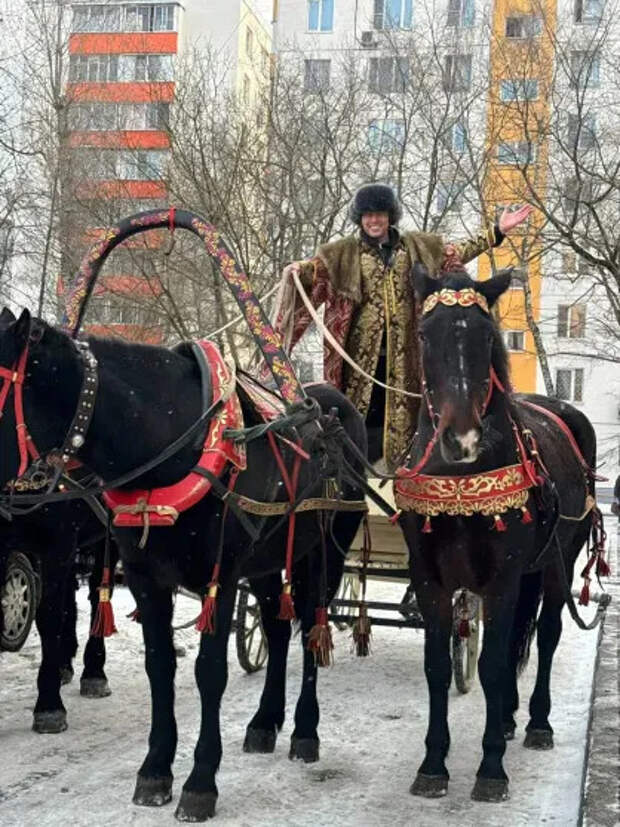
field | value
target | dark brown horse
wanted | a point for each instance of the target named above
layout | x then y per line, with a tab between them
507	549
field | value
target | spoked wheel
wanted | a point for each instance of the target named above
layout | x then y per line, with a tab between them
19	599
251	641
465	649
349	589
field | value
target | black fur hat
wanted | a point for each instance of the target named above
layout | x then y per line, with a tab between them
375	198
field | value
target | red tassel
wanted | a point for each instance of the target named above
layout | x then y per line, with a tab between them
584	597
395	517
464	630
362	632
135	615
206	620
320	641
427	528
500	525
602	567
527	517
287	607
103	624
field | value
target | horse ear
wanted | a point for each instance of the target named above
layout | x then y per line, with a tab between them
22	329
493	288
7	317
423	284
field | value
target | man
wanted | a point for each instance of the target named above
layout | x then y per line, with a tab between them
363	280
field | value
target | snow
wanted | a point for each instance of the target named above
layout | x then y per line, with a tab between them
372	728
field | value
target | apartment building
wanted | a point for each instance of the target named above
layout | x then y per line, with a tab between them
123	69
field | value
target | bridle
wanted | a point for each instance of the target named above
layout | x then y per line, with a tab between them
33	471
465	297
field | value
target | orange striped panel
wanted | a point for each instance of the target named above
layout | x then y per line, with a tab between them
134	92
147	139
124	43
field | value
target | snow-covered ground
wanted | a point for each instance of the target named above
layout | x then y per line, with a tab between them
372	729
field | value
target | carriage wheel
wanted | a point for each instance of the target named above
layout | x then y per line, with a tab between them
19	598
250	637
349	589
465	650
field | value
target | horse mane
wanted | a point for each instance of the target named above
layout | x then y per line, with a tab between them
459	280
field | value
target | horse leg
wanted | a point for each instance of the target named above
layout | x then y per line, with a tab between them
523	628
436	606
68	640
305	739
492	781
50	715
199	796
263	728
539	733
154	781
93	681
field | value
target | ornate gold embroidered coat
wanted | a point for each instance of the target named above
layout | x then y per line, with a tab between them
364	298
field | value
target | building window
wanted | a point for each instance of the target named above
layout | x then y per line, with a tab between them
515	339
588	11
569	384
142	165
571	321
388	74
577	194
149	18
93	68
460	13
385	136
581	132
97	18
246	90
457	73
585	70
150	68
316	76
516	153
519	90
449	197
523	26
569	261
393	14
320	15
458	138
519	278
249	41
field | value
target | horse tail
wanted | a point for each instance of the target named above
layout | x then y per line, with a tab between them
524	624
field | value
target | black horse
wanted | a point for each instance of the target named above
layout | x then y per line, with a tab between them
471	424
147	398
64	540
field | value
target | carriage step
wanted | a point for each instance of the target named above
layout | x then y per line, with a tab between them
412	622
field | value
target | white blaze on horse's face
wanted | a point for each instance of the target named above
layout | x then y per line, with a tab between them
469	443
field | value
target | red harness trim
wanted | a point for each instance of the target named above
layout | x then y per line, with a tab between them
569	436
14	377
162	506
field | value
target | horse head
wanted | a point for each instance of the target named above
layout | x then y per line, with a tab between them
462	355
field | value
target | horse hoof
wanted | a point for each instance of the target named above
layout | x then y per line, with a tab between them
196	806
94	688
538	739
490	789
509	732
304	749
66	675
259	740
153	792
48	723
429	786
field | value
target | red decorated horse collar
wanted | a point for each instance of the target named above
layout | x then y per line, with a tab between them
489	493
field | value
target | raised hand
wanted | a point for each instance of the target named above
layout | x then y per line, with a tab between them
509	220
